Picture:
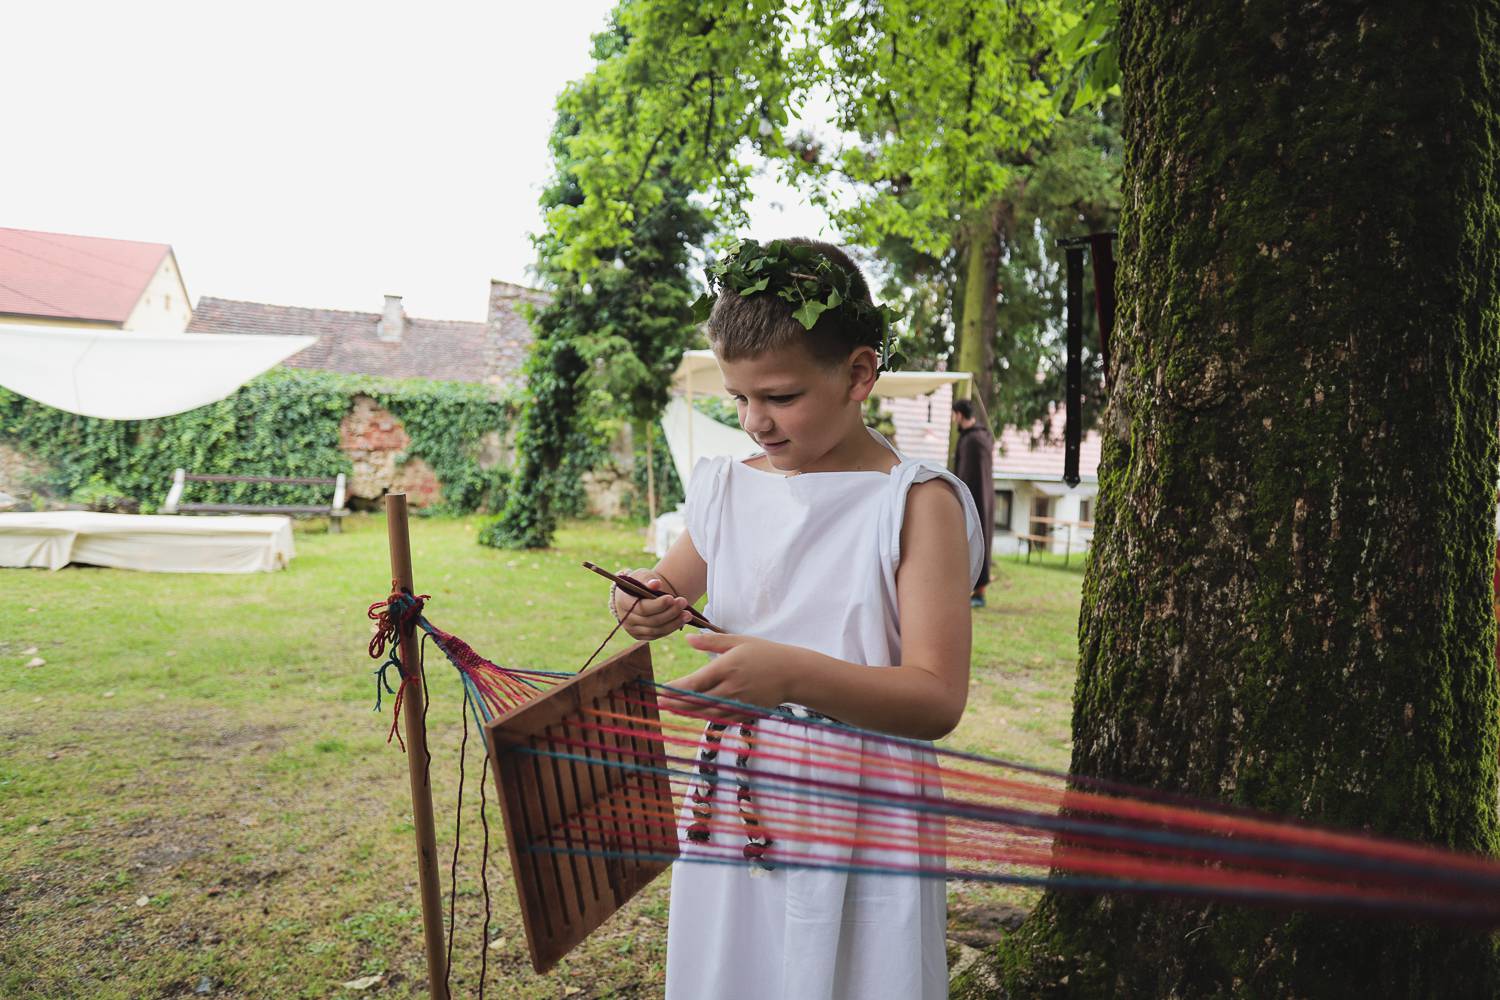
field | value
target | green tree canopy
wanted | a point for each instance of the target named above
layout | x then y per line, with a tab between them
940	114
610	337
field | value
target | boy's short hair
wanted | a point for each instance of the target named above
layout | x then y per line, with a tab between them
744	326
964	408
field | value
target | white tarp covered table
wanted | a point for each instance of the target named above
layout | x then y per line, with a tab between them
155	543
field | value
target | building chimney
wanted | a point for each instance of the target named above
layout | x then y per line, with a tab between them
392	321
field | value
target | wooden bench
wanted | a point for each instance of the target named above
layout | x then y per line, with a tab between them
334	510
1033	541
1047	541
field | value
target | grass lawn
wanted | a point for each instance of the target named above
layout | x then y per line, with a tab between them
196	798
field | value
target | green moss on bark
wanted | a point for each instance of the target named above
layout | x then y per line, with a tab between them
1288	605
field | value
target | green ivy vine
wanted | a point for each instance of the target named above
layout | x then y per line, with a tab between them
283	423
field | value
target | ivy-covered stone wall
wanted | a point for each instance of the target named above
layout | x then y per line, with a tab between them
441	442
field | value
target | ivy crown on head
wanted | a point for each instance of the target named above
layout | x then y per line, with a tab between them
807	279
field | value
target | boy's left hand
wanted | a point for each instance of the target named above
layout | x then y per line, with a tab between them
747	669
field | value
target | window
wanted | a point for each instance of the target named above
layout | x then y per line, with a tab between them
1041	514
1004	500
1086	509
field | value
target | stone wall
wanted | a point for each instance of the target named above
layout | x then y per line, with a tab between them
20	475
507	336
373	439
609	487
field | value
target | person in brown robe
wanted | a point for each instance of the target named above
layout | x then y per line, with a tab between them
974	463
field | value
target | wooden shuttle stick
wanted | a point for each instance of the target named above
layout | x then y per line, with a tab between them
644	592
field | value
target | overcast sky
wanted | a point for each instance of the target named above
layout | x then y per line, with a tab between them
310	153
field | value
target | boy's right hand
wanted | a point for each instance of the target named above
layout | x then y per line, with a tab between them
650	617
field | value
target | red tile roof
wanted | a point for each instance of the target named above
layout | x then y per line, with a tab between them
1016	458
922	424
922	432
452	350
74	277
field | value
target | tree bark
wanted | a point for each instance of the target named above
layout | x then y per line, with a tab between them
1288	605
977	326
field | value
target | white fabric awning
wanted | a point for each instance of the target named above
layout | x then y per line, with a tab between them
123	375
906	384
699	374
692	435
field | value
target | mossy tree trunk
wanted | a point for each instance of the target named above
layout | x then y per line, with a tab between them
976	334
1288	605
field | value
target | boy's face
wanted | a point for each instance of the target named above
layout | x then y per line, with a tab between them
795	408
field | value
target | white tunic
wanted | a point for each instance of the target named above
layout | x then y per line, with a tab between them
809	560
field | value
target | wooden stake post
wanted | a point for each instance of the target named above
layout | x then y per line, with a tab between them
416	757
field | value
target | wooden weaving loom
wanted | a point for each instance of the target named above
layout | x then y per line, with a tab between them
564	815
586	784
570	880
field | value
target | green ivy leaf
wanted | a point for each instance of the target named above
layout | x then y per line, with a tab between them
703	305
809	312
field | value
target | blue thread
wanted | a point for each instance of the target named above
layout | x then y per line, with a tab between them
1076	883
1059	824
381	681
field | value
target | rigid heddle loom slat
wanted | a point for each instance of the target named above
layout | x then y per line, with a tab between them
558	893
602	788
570	889
520	810
647	836
587	870
558	835
561	814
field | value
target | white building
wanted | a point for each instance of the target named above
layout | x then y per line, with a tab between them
56	279
1033	506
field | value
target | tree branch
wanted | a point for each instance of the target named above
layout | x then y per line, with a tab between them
890	105
708	123
655	144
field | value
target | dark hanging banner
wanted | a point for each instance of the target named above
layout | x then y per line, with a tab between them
1073	433
1101	248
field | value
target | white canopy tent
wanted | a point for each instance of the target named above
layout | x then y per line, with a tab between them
686	428
692	435
123	375
698	374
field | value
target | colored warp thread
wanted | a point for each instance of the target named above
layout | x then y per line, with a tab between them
813	793
392	616
871	810
488	690
493	689
458	826
484	857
